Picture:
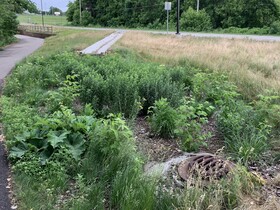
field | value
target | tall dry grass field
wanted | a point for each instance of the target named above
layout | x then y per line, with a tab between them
252	65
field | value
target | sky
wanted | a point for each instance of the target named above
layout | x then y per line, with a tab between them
61	4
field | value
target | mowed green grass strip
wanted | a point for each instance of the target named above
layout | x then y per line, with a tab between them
37	19
70	40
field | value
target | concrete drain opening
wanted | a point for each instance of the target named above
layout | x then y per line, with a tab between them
206	166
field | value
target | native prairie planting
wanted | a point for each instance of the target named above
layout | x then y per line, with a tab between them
86	131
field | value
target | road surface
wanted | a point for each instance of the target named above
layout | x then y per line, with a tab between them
9	57
204	35
14	53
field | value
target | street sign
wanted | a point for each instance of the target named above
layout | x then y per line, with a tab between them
167	6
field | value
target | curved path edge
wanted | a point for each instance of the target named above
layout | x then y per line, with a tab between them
16	52
9	57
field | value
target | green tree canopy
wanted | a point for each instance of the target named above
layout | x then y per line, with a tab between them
139	13
130	13
52	10
19	6
8	22
8	18
238	13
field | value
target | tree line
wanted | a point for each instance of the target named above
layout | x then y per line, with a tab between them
143	13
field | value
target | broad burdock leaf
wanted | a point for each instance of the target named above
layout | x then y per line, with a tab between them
19	150
54	138
76	145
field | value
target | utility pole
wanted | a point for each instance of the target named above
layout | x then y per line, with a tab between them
197	5
80	11
42	13
178	17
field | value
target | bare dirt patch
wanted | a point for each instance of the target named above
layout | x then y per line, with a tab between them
159	149
152	147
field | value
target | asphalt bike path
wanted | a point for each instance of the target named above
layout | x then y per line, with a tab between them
193	34
9	57
14	53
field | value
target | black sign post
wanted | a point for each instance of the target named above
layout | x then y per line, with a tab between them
178	17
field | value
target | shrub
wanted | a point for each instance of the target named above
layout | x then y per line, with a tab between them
192	115
235	30
268	108
86	18
106	150
184	122
275	27
261	31
163	118
196	21
76	17
213	87
64	95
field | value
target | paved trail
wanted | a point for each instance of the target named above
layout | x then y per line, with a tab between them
14	53
234	36
193	34
9	57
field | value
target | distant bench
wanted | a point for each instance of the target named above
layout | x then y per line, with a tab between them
36	30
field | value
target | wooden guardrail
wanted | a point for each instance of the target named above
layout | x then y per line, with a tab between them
36	29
